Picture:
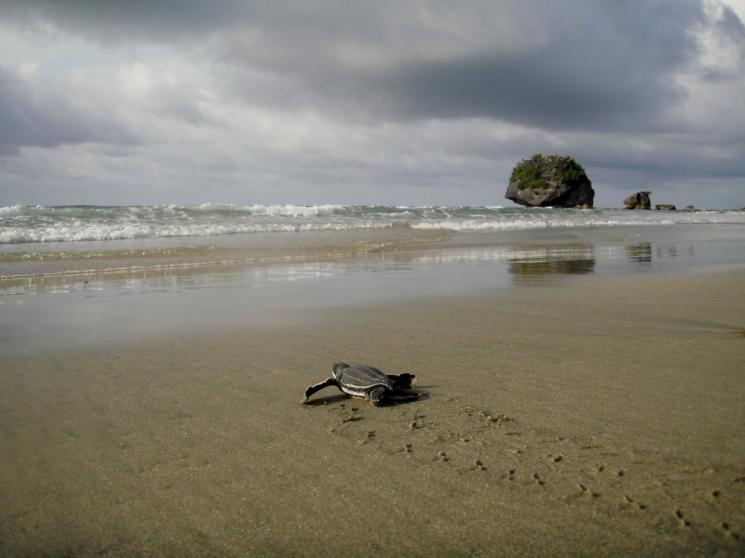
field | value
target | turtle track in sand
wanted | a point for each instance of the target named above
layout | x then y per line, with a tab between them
470	445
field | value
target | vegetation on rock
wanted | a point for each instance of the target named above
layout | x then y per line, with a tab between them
538	171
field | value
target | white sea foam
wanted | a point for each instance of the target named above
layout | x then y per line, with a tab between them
20	224
598	218
78	232
293	210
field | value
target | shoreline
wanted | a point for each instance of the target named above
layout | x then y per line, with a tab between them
620	430
47	261
269	280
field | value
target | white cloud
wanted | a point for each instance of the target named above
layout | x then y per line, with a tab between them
28	68
427	103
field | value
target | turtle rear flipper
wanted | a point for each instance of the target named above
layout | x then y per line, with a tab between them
402	381
318	387
405	395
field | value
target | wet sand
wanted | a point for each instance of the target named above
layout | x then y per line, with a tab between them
603	417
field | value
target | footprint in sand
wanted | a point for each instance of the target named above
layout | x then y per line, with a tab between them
729	533
682	521
586	490
499	420
416	421
369	437
478	465
352	415
630	501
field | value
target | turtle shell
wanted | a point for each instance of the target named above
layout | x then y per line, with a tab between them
359	379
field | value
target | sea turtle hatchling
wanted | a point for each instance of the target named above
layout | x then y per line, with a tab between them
359	380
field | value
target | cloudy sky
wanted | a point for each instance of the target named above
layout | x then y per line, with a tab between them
390	102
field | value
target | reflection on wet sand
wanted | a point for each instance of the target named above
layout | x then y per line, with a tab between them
209	267
666	251
564	260
641	252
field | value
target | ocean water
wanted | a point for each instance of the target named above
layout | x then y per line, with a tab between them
43	246
82	276
41	224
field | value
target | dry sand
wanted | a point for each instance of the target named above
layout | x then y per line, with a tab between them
601	418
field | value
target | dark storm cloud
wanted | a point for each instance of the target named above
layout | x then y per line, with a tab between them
29	117
615	73
599	66
541	88
731	28
574	64
163	21
116	21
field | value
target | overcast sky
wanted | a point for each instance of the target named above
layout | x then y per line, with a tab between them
388	102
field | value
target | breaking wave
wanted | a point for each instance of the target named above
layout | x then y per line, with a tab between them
24	224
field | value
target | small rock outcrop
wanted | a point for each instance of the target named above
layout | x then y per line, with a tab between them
665	207
550	180
640	200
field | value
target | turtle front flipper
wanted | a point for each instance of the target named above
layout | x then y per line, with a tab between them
377	394
318	387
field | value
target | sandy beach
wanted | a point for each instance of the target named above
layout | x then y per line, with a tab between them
599	417
535	208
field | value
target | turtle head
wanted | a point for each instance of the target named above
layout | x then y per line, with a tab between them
337	368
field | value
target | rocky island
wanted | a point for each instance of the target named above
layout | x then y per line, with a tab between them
639	200
550	180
